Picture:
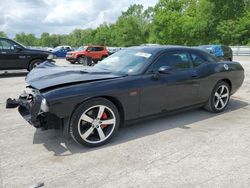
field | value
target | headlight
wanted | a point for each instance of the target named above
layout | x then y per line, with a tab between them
32	91
44	106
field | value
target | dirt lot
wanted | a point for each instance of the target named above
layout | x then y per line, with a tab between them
190	149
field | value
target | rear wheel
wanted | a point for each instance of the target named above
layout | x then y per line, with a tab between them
34	63
95	122
80	60
219	98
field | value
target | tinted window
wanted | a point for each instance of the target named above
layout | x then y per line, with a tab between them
6	45
174	60
198	60
98	48
92	49
208	57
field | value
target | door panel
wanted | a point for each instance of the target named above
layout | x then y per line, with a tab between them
152	97
9	57
92	53
181	88
169	91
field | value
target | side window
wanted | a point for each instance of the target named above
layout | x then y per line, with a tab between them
91	49
6	45
177	61
99	49
198	60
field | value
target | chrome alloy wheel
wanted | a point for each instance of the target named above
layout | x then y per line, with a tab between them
221	97
96	124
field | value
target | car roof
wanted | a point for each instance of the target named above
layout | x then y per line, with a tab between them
6	38
159	48
210	46
96	46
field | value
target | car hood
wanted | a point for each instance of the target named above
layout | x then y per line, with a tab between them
48	75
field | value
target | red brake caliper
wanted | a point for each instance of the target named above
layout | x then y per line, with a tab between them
104	116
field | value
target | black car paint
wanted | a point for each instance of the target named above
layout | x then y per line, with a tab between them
136	96
21	57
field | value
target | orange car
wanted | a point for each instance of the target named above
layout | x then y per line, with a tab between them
97	53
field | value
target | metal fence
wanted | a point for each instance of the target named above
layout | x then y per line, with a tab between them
241	50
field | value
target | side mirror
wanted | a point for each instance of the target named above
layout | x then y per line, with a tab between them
17	48
165	70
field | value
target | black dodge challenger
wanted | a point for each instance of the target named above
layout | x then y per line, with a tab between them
90	104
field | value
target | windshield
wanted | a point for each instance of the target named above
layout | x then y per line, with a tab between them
129	61
20	44
57	48
81	48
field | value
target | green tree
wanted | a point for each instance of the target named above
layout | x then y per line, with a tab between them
169	21
45	40
26	39
183	22
2	34
131	27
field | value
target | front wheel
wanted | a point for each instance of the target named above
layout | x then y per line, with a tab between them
34	63
81	60
94	122
219	98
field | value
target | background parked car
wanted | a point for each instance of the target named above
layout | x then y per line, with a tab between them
112	50
220	51
97	53
16	56
50	49
61	51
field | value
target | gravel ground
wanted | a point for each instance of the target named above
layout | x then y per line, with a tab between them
189	149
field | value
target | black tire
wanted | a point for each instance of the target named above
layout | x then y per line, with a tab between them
83	60
103	57
80	60
34	63
214	103
90	131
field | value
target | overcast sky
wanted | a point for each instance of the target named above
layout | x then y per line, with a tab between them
60	16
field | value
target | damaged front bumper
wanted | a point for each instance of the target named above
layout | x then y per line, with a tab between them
29	106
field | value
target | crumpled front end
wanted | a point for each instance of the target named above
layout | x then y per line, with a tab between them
34	109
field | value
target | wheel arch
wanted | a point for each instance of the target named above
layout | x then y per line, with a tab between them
34	59
80	55
118	105
227	81
112	99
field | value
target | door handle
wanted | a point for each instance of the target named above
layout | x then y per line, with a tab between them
4	52
195	76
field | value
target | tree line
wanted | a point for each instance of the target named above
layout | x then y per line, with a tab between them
179	22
